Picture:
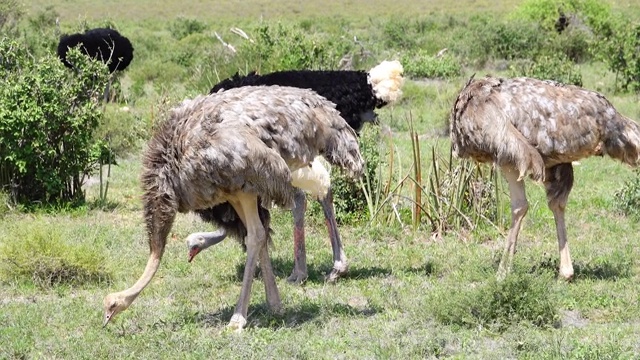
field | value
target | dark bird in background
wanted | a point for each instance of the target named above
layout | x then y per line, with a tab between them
529	126
106	45
356	94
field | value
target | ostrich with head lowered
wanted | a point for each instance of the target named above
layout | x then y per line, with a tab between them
236	151
356	95
106	45
529	126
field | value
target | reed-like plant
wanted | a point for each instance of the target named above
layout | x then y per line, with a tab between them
450	195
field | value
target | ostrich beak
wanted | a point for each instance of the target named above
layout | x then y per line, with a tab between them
107	318
193	252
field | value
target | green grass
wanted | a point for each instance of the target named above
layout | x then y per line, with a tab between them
407	295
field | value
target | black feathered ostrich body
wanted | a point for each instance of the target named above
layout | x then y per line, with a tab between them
356	95
106	45
351	91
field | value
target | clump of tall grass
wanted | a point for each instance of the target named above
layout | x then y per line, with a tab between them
520	297
43	255
449	196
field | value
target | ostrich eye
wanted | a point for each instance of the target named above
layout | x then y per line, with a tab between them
113	306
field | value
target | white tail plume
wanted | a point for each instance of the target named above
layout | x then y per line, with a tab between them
386	80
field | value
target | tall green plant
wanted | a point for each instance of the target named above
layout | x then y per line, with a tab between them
279	47
48	117
450	196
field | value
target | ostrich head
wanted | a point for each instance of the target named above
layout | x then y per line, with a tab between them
114	304
199	241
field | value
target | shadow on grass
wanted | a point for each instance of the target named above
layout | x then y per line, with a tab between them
603	269
260	316
316	274
104	205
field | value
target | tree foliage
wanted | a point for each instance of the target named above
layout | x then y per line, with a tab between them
48	116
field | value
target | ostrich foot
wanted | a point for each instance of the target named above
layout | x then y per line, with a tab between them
339	268
297	277
566	273
237	323
276	309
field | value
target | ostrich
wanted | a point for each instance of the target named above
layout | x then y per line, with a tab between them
106	45
356	95
528	126
237	150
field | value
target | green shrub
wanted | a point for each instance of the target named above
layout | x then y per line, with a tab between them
43	255
122	130
575	44
49	114
520	297
486	38
620	52
628	197
287	47
422	65
182	27
548	68
594	13
425	33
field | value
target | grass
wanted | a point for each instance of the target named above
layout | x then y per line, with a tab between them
407	294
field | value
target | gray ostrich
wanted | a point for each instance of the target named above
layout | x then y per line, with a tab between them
528	126
356	94
237	148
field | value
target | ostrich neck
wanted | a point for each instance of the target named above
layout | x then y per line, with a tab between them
149	271
215	237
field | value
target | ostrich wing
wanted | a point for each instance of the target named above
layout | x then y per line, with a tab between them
231	159
297	123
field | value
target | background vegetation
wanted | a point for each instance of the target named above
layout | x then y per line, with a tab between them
423	231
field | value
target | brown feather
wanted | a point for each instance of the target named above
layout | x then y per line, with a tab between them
534	124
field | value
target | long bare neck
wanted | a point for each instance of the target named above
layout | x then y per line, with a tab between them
149	271
159	226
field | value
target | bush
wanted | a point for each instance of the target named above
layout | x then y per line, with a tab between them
285	47
620	52
628	197
555	68
593	13
520	297
422	65
49	114
486	38
45	257
182	27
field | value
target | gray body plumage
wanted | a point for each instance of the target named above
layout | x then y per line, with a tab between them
248	139
537	127
535	124
237	146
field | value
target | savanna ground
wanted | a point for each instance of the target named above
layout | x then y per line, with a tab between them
409	293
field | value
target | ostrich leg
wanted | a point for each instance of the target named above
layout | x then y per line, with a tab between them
340	265
558	183
299	273
519	207
247	208
266	268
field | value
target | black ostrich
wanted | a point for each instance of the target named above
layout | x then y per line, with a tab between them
106	45
356	95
